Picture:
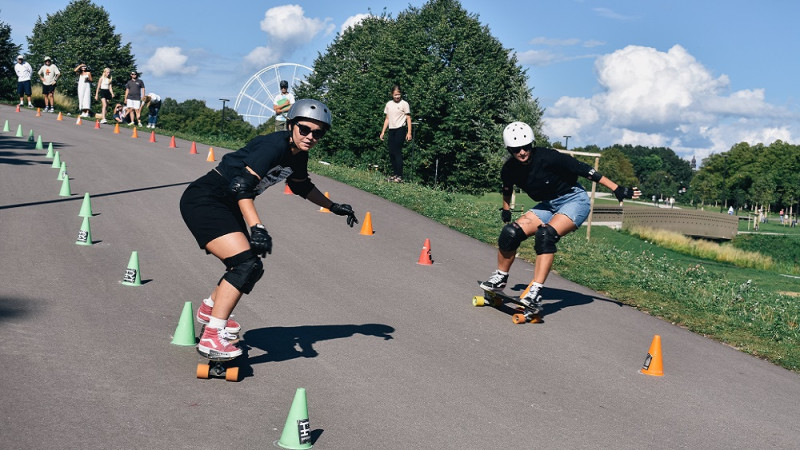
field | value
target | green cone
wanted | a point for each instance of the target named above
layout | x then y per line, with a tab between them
19	131
85	233
65	191
86	207
297	431
5	127
56	161
30	137
49	151
39	145
132	276
184	332
62	172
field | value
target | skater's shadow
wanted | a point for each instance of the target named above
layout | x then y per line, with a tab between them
285	343
554	300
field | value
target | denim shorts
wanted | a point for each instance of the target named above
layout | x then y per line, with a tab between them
574	204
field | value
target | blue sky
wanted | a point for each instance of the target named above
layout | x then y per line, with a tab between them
695	76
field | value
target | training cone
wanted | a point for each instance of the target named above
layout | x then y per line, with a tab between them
172	143
287	190
152	136
56	161
184	332
210	155
116	128
19	130
78	121
85	233
17	108
39	145
49	154
193	150
62	171
132	276
60	116
425	254
30	137
297	431
96	124
325	210
38	112
366	228
653	364
65	191
5	127
135	134
86	207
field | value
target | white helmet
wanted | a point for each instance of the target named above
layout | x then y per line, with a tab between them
518	134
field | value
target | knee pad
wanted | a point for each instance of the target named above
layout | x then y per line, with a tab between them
244	270
546	238
511	236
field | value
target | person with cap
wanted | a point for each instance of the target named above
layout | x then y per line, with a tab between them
551	178
134	93
24	72
282	103
219	210
49	75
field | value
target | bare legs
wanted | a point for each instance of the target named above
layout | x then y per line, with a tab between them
225	296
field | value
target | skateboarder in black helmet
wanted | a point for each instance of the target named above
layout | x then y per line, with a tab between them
219	210
549	177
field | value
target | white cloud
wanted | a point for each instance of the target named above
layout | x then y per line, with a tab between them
287	29
353	21
655	98
168	61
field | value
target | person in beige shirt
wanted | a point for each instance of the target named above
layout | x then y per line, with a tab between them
398	121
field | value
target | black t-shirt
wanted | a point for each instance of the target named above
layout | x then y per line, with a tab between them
550	174
270	156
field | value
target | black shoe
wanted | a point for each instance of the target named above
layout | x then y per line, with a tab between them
497	282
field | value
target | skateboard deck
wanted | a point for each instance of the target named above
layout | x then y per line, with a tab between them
498	300
218	367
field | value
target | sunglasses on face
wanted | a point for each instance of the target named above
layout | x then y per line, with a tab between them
304	130
515	150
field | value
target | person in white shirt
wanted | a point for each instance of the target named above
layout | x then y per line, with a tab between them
153	102
24	73
49	74
398	121
281	105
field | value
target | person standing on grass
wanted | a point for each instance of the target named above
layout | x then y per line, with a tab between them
218	209
104	92
398	121
49	74
551	178
84	89
134	92
24	72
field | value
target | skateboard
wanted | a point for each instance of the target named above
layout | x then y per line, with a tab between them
218	367
498	300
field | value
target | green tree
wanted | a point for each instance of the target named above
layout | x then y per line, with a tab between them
81	32
462	85
8	54
193	116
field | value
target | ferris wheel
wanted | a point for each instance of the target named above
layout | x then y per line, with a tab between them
255	99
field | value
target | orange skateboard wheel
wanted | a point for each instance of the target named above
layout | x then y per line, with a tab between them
203	371
232	374
518	318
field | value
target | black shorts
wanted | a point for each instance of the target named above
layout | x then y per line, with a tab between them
24	87
48	88
105	93
209	211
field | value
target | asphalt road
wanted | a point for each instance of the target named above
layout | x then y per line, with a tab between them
392	354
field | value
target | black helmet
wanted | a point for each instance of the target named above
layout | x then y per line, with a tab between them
307	108
284	84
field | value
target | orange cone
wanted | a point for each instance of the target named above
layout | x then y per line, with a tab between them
38	112
193	151
152	136
210	154
116	128
427	244
425	254
60	117
172	143
287	189
135	134
325	210
97	125
653	364
366	229
78	122
17	108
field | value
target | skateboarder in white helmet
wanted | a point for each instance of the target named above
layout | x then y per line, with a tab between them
548	177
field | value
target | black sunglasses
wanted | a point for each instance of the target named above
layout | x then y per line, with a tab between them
515	150
304	130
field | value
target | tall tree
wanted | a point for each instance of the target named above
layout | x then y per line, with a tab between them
81	32
462	85
8	54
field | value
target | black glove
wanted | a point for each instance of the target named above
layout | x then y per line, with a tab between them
260	240
622	193
344	210
505	214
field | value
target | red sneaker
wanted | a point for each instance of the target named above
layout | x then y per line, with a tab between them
204	316
216	342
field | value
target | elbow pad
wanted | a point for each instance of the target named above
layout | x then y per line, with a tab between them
301	188
243	186
594	175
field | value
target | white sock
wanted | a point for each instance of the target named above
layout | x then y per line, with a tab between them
501	272
208	302
219	324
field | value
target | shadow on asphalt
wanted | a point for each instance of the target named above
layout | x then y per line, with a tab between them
15	308
554	300
80	197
